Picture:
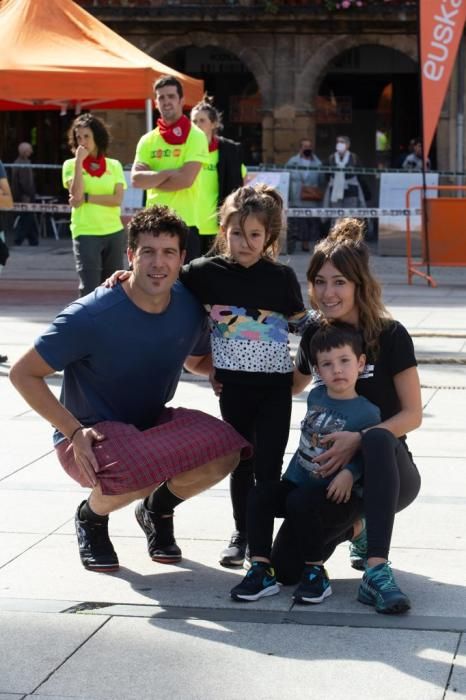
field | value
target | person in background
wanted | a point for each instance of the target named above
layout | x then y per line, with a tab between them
6	198
169	159
24	192
96	184
6	202
404	152
223	173
343	189
306	192
413	161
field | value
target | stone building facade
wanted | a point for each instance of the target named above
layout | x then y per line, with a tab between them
280	70
292	50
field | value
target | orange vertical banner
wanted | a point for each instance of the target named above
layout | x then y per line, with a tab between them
441	25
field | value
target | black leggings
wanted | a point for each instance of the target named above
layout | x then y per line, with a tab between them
262	416
391	483
303	508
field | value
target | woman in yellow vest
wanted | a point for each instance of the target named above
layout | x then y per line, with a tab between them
223	173
96	184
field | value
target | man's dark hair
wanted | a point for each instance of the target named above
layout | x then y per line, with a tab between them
167	80
157	220
335	334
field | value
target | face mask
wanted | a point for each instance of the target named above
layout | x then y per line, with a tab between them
341	147
307	153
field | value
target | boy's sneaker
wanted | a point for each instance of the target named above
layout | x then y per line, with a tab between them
314	586
161	543
95	548
259	582
378	588
358	549
235	553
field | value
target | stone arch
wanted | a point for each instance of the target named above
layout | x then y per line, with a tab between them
250	57
314	70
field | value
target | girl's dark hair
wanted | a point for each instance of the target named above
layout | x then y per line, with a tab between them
334	334
99	130
207	105
346	250
261	201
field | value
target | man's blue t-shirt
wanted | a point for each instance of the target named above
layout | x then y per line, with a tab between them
325	416
2	171
122	363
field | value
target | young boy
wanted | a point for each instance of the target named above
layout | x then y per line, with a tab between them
333	405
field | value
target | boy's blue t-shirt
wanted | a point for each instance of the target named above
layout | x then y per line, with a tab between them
122	363
323	417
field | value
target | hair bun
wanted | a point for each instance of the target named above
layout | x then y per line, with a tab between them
268	191
347	229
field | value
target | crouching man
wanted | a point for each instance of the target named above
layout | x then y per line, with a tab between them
122	351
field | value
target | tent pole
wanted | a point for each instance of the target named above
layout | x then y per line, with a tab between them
149	116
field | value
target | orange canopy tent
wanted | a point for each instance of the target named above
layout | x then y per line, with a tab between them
56	55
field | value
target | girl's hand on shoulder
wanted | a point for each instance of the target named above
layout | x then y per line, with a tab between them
342	446
118	276
339	489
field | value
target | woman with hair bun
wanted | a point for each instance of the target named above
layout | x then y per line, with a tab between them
343	288
223	173
96	184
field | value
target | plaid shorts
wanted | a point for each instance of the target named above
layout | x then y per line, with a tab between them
130	459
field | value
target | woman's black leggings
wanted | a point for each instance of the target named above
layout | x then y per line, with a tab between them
391	483
261	415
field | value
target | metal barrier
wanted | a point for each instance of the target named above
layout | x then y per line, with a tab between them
368	212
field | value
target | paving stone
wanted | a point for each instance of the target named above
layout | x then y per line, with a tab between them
43	642
231	660
457	685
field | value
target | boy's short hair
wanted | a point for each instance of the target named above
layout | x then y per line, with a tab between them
157	220
335	334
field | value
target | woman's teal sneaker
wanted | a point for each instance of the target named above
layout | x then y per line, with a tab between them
358	549
378	588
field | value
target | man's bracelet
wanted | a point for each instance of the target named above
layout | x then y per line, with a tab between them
76	430
86	197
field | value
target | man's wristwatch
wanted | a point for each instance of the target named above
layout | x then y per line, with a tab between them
86	197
